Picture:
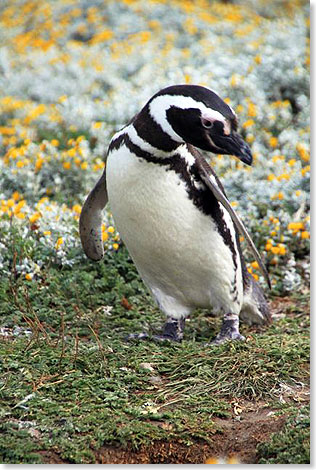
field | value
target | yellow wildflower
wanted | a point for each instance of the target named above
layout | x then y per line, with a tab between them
248	123
105	236
77	208
84	165
303	152
273	142
10	202
115	246
296	226
34	217
59	242
252	109
67	165
258	59
305	234
28	276
275	250
47	233
71	152
16	195
282	249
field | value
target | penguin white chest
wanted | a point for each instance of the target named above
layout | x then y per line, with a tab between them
177	249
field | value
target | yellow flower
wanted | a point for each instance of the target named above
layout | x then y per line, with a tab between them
279	196
298	192
47	233
305	170
252	109
19	206
291	162
258	59
16	195
54	142
10	202
273	142
97	125
28	276
67	165
250	138
255	265
282	249
271	177
295	226
71	152
234	80
105	236
115	246
77	208
302	151
268	246
34	217
59	242
111	229
248	123
84	165
305	234
275	250
39	163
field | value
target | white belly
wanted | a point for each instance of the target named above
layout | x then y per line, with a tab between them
177	249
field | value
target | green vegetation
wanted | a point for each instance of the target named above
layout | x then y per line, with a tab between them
71	384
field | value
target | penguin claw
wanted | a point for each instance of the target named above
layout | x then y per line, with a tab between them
146	336
221	339
136	336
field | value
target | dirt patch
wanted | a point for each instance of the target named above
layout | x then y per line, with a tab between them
237	436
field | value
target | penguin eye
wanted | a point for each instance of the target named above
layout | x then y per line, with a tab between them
207	123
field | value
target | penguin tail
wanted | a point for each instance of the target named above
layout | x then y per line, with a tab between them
255	309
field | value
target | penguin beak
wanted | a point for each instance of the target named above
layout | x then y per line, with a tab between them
241	149
234	144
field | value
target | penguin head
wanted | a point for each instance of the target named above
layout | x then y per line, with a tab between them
197	115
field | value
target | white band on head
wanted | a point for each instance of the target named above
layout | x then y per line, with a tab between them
158	110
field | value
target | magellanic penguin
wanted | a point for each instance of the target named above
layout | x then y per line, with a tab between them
172	212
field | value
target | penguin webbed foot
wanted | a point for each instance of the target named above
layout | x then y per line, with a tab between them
229	331
172	331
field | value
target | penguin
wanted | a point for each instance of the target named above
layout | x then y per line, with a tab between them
172	212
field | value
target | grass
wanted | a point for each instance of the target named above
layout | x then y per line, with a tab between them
70	384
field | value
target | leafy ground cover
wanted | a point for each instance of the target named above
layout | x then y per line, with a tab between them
71	388
74	391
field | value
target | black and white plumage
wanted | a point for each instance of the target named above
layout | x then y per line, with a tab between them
172	212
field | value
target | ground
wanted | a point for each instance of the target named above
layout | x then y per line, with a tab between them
74	391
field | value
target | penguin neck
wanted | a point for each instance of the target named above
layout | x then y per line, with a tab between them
151	136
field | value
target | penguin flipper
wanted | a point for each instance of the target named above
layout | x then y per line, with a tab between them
212	183
90	221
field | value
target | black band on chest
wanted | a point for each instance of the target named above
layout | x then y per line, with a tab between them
200	195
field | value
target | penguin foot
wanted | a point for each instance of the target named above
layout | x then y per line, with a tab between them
144	336
172	331
229	331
